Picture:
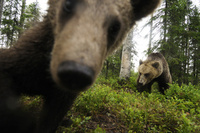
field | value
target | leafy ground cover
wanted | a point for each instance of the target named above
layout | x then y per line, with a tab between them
114	106
110	107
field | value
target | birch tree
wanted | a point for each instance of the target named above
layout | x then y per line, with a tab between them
125	70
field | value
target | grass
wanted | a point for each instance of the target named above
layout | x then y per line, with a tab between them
115	106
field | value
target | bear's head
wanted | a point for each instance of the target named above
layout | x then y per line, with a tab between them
86	32
148	71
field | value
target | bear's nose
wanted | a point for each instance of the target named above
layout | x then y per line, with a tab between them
75	76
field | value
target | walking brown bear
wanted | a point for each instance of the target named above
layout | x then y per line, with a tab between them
154	69
61	56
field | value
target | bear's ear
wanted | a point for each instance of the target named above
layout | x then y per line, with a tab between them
140	62
155	65
142	8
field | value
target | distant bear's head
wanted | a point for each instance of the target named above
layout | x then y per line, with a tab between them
86	32
149	71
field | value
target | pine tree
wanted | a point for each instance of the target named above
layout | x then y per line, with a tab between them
174	43
1	10
194	33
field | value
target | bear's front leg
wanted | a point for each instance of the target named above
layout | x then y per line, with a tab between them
149	87
13	118
56	105
141	88
163	87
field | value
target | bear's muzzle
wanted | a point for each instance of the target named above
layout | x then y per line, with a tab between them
74	76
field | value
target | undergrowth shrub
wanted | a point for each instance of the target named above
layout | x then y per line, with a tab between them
117	83
185	92
176	112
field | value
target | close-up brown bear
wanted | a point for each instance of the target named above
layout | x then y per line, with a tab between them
61	56
154	69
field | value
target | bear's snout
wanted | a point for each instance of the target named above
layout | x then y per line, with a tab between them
74	76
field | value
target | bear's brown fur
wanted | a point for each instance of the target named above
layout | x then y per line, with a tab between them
62	55
154	69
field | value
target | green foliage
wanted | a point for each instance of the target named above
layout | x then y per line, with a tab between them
99	130
177	111
117	83
32	15
185	92
178	24
15	19
111	67
32	104
109	106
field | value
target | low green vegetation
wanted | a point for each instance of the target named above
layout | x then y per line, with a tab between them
113	105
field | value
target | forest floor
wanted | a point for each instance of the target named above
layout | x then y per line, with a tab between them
113	106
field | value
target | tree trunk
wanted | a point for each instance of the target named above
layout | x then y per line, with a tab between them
187	53
1	10
125	70
150	35
22	18
107	65
165	27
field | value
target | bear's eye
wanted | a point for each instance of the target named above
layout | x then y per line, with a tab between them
69	5
113	31
146	75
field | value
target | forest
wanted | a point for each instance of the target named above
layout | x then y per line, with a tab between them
113	104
